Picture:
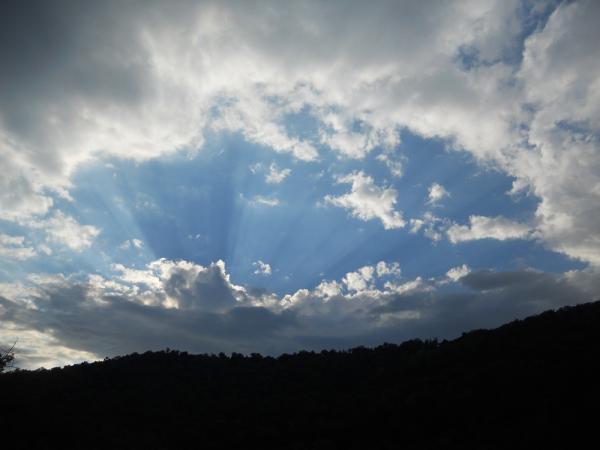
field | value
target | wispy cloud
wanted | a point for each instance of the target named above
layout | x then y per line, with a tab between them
276	175
262	268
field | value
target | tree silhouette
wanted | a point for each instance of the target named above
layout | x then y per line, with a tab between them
6	357
532	383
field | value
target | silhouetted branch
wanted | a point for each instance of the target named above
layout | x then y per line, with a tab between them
7	357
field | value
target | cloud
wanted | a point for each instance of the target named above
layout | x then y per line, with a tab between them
6	239
12	247
437	192
262	268
387	269
193	286
19	196
481	227
396	166
360	280
433	226
193	304
456	273
416	225
261	200
135	88
180	284
146	277
560	73
148	80
367	201
256	118
184	305
328	289
354	144
65	230
43	248
135	243
276	176
364	278
408	286
38	349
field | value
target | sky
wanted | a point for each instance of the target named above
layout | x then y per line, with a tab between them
277	176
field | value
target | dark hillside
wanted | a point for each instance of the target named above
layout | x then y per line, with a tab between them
533	383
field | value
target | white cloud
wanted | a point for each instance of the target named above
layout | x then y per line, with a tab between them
142	85
456	273
256	118
135	243
18	253
276	176
65	230
262	268
228	73
138	276
432	234
396	166
437	192
261	200
360	280
12	247
43	248
352	144
6	239
433	226
367	201
403	288
387	269
416	225
560	74
328	289
364	278
255	167
39	348
481	227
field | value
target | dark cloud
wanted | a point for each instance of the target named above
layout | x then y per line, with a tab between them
120	326
79	316
206	290
491	299
37	38
487	279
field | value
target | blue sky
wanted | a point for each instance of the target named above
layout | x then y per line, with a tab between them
180	181
207	214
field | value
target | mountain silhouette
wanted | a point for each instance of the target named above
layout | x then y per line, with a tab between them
532	383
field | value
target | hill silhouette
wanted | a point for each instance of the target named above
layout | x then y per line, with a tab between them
532	383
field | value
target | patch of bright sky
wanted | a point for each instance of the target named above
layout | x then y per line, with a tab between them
202	209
